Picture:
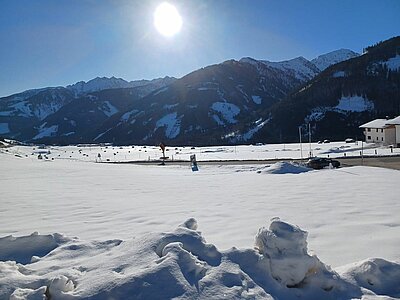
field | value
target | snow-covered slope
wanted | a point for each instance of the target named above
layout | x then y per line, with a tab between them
326	60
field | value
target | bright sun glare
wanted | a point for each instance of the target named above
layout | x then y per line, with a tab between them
167	19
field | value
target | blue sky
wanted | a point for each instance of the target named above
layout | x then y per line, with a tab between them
59	42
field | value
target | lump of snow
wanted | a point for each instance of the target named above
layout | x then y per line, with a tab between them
29	294
190	224
376	274
284	168
192	268
286	246
59	286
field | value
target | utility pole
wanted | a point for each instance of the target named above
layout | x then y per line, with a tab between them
362	153
301	145
309	139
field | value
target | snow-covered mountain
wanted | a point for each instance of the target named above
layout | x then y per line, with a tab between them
84	104
104	83
303	69
326	60
343	96
300	68
222	103
230	102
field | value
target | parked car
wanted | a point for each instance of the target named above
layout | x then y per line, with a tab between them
321	162
349	140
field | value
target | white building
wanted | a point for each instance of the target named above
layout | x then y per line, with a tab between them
381	131
396	123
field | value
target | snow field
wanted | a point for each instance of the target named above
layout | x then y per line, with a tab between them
214	153
100	227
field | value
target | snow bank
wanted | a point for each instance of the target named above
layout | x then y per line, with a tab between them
23	249
182	265
378	275
284	168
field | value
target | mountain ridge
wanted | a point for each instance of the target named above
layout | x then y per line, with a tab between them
230	102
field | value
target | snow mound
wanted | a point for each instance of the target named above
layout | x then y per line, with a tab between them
27	248
378	275
284	168
286	247
182	265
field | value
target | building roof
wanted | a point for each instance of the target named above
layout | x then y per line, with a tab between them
377	123
395	121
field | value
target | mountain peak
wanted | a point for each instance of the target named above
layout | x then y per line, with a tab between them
103	83
300	67
326	60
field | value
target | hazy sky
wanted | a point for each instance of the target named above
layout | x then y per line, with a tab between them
59	42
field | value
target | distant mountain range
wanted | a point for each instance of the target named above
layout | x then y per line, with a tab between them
241	101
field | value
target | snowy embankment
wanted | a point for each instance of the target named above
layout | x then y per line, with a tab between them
123	216
181	265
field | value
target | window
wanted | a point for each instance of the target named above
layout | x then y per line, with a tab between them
382	139
382	130
369	129
377	138
376	130
369	137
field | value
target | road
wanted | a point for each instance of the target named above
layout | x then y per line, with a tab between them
390	162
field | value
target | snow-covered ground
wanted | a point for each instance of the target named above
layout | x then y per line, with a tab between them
101	225
214	153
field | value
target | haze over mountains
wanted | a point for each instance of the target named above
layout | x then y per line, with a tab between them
241	101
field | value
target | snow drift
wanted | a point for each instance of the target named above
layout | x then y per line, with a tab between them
182	265
283	167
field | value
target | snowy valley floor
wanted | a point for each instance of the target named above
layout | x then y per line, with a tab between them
100	226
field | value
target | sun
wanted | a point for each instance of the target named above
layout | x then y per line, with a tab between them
167	19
